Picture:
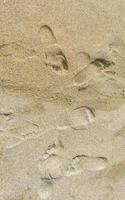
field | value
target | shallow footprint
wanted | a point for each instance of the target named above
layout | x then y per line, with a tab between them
18	130
22	129
56	59
46	35
51	163
5	117
83	163
53	150
81	117
18	50
83	59
54	56
102	63
84	77
45	191
51	168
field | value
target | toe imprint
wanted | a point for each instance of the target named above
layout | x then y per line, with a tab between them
51	168
55	58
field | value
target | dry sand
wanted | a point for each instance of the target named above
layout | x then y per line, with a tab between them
62	99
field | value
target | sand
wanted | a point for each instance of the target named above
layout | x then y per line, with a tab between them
62	100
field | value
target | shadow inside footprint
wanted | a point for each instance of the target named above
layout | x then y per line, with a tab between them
102	63
55	58
51	163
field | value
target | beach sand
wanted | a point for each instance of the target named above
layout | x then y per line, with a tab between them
62	100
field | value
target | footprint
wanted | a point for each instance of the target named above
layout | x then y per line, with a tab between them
17	50
22	129
54	56
83	59
54	167
53	150
81	117
97	65
45	191
9	142
84	77
5	117
56	59
46	35
51	168
102	63
51	163
16	130
84	163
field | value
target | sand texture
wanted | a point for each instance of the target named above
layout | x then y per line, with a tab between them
62	100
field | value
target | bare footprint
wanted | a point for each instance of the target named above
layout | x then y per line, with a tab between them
83	59
84	163
18	50
56	59
85	76
54	56
5	117
97	65
47	35
81	117
45	191
51	163
22	129
16	130
53	150
51	168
